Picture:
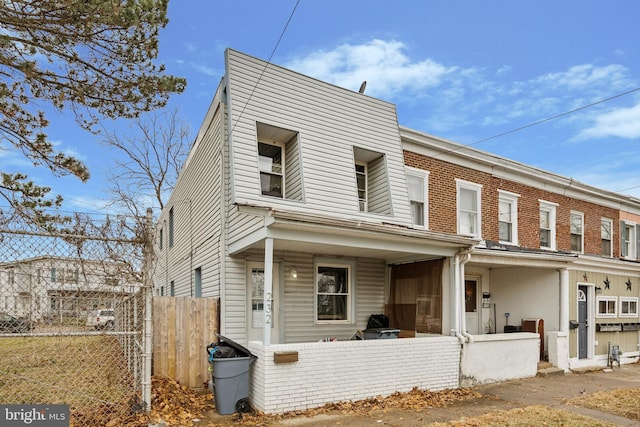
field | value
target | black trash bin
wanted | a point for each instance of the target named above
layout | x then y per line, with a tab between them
230	363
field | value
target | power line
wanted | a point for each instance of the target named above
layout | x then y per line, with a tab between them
554	117
264	69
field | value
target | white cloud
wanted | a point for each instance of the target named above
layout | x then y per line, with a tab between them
383	64
584	76
621	123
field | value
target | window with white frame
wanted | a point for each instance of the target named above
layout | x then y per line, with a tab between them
508	217
361	182
469	203
547	225
577	231
628	306
628	240
606	228
417	185
333	291
271	161
606	306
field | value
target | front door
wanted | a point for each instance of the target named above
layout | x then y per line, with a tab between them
255	303
583	322
471	305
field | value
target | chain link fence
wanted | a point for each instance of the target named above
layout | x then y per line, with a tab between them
75	315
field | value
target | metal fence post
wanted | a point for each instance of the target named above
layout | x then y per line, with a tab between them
148	315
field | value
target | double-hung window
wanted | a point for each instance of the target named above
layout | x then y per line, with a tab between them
508	217
361	182
606	228
628	306
577	231
606	306
417	185
629	236
469	213
271	161
334	290
547	225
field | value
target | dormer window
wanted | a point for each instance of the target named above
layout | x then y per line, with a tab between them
279	162
271	158
372	182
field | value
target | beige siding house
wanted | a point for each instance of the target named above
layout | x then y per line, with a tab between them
306	209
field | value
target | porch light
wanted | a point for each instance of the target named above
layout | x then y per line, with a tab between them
598	290
294	273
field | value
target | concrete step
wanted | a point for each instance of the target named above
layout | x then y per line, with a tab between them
546	372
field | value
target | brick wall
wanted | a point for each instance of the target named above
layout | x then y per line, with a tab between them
351	370
442	206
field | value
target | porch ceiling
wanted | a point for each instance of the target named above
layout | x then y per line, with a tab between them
323	236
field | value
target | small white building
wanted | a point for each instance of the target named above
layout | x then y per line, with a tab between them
55	288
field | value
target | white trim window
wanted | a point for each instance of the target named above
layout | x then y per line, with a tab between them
469	202
418	188
508	217
606	239
271	165
547	225
361	183
628	306
333	292
577	231
606	306
628	240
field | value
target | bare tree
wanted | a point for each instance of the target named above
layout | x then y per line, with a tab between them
152	154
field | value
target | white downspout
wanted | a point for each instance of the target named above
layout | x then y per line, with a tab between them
456	301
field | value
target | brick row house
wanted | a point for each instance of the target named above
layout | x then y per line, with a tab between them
306	209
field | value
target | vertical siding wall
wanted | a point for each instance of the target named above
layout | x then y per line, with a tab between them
350	371
331	121
627	340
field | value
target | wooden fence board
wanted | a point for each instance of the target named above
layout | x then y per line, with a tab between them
182	329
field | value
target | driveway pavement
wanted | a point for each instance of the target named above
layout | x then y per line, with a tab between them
552	391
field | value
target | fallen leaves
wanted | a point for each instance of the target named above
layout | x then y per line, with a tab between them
415	400
624	402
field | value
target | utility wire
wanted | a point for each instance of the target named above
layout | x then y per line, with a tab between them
266	65
566	113
555	117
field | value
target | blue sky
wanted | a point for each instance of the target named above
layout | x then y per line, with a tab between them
461	70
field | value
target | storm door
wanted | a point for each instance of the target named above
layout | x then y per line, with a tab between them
471	305
256	310
583	323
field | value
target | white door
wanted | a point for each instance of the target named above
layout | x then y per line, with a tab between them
255	303
471	305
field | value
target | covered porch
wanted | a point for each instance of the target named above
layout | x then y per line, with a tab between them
307	357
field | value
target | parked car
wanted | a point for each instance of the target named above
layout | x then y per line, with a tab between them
9	323
101	319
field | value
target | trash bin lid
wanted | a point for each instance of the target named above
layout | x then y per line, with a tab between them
235	345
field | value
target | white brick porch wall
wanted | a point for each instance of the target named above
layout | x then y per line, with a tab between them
350	370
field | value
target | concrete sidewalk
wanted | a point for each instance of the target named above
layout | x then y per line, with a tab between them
552	391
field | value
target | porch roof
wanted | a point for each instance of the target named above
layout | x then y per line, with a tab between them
292	231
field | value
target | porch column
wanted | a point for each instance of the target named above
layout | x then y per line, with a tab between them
564	300
268	290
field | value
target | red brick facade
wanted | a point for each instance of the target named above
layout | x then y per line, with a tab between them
442	207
